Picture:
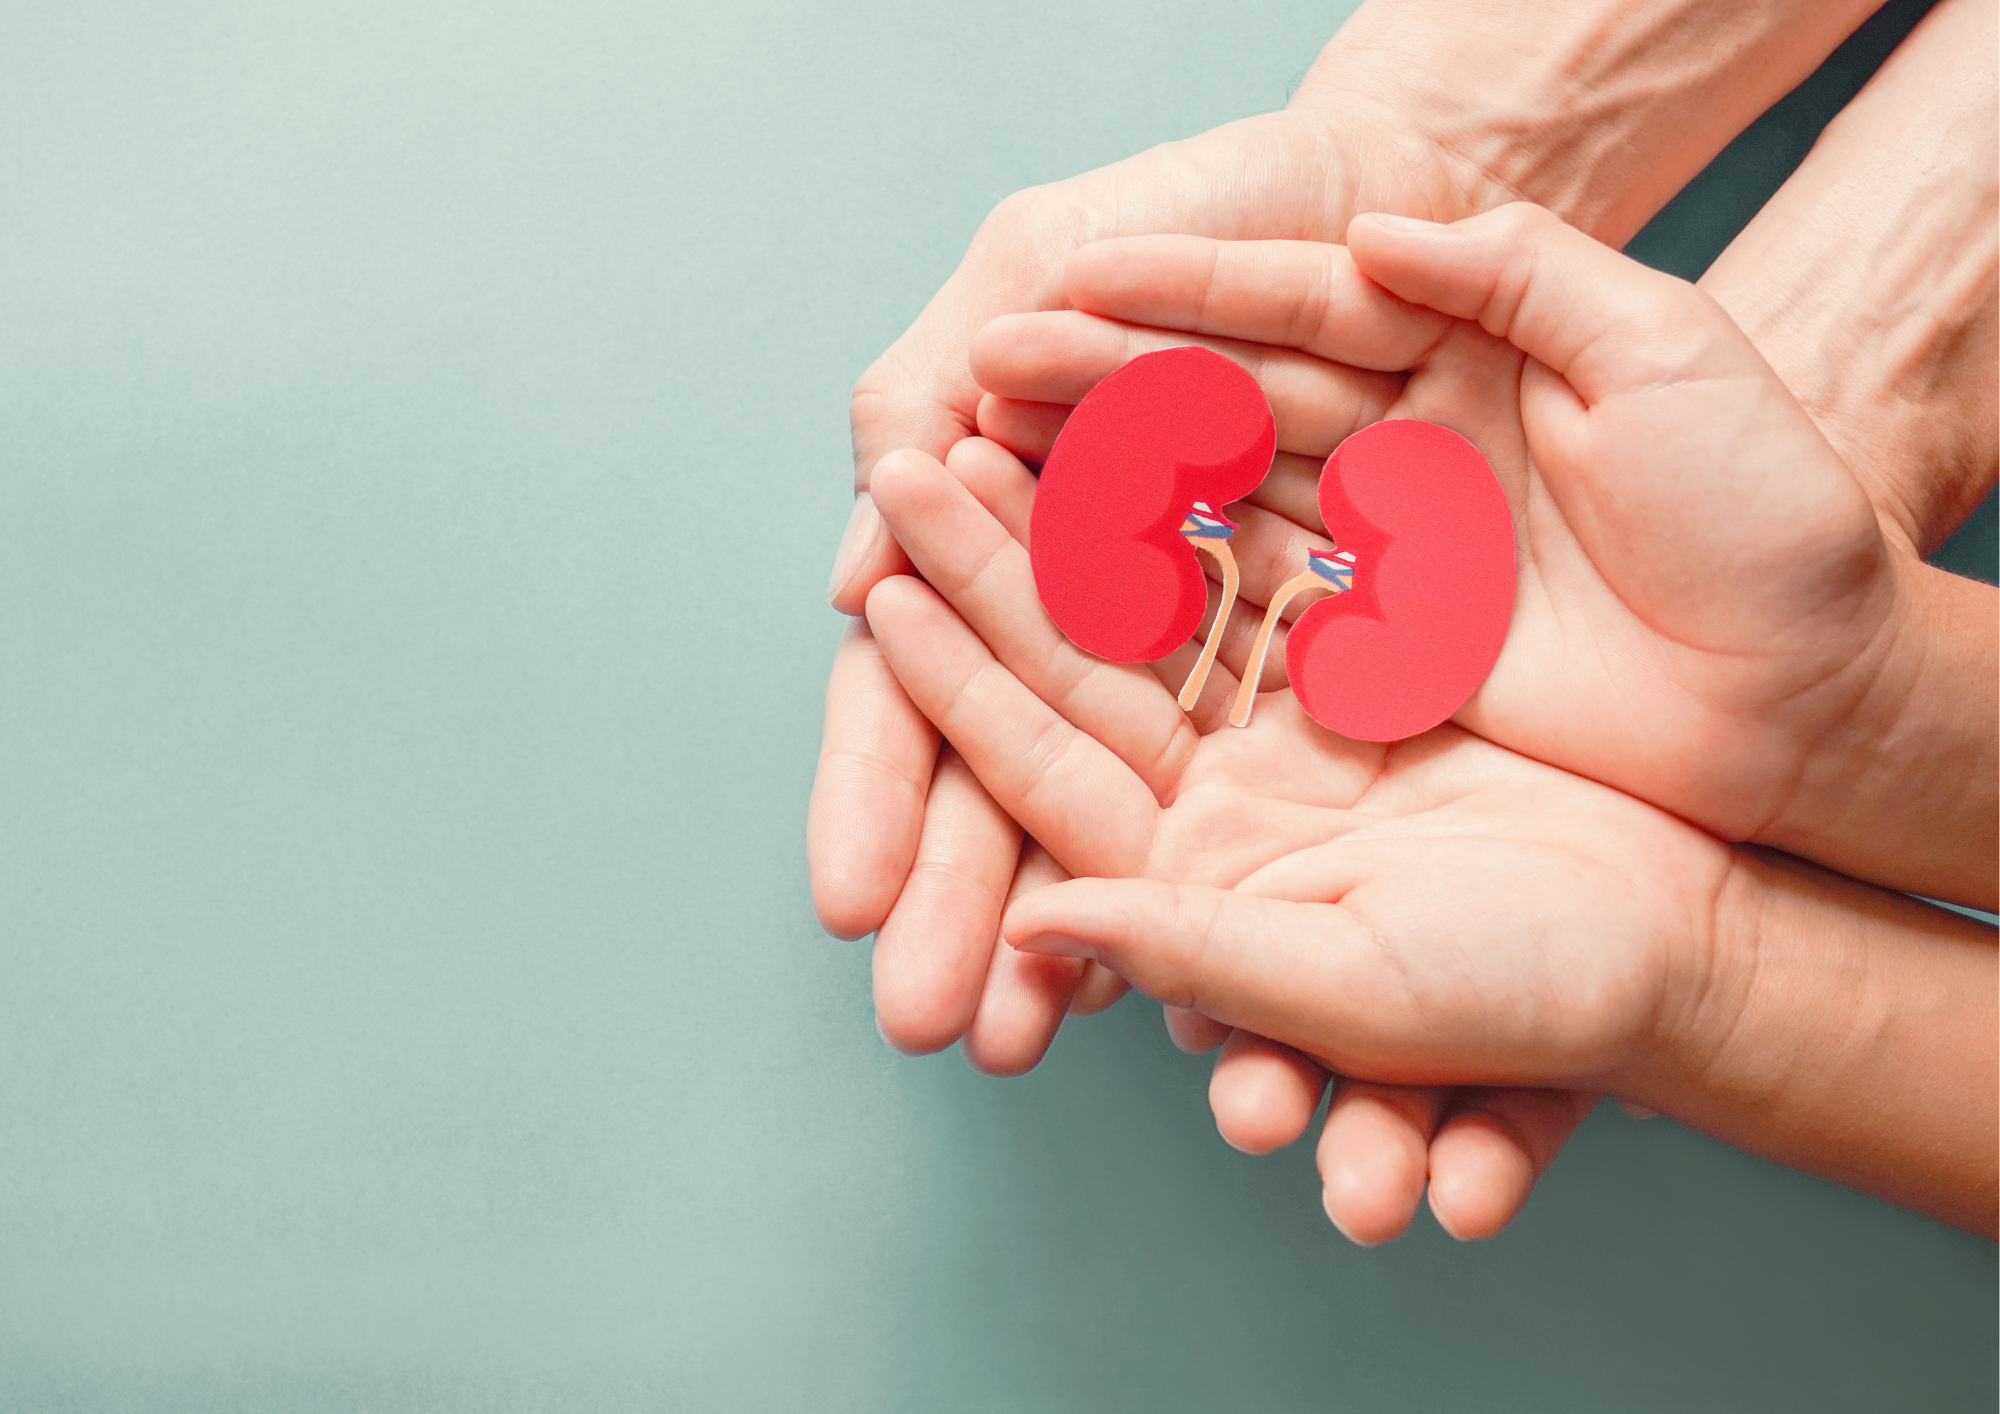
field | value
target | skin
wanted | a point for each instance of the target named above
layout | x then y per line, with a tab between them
1633	368
1452	914
1384	121
1710	616
1300	174
1869	279
1908	401
1585	939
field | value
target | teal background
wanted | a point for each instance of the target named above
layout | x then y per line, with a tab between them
422	443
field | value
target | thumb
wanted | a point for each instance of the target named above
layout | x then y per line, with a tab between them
1307	974
1601	320
893	407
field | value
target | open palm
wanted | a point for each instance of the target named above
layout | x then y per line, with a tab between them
1705	594
1102	767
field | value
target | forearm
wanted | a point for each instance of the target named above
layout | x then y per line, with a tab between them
1597	109
1868	281
1846	1031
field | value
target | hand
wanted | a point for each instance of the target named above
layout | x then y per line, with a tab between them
1370	326
1123	783
1709	615
1673	109
1503	921
1397	116
1867	282
1301	172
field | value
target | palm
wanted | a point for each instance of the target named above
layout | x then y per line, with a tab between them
1536	917
1121	784
1417	840
1677	632
1684	630
1114	780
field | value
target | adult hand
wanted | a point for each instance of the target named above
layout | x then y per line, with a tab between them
1781	633
1420	106
1867	282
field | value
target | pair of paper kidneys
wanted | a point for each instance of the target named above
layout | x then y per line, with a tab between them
1421	579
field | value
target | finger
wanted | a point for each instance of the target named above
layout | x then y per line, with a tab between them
971	560
867	808
1491	1149
1305	295
1600	320
934	950
1374	1157
1069	791
1263	1094
1192	1032
1025	997
867	555
998	481
1028	430
1058	356
1306	974
918	394
1098	989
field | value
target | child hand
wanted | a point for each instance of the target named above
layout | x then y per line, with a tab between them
1121	782
1504	922
1708	616
1444	912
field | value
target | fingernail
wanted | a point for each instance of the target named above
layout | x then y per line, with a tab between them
863	527
1637	1111
1409	224
1056	945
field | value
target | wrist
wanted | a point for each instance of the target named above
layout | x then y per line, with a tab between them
1707	997
1599	110
1725	1033
1901	789
1844	1030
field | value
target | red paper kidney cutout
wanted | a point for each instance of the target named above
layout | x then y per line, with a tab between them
1433	540
1164	431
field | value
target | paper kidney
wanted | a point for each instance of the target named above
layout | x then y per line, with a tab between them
1431	533
1112	564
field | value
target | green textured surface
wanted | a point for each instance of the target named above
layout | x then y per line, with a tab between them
408	994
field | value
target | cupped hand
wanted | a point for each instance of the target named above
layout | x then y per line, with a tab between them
1474	918
1104	769
886	811
1706	600
1581	674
